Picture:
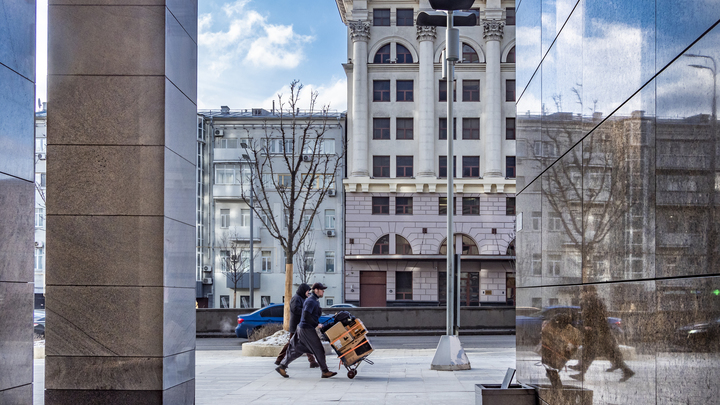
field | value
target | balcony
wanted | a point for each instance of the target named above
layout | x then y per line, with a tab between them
227	154
230	191
241	234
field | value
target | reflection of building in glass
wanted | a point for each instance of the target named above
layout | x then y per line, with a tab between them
618	189
397	162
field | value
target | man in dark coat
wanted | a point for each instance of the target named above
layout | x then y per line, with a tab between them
306	339
296	307
598	340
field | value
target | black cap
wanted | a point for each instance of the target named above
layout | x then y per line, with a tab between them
319	286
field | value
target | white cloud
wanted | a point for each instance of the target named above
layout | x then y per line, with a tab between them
280	47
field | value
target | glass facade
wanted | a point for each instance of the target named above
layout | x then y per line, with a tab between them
617	209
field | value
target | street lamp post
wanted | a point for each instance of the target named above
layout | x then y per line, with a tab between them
450	354
714	72
252	236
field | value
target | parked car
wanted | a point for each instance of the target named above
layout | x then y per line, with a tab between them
701	336
39	323
528	326
343	305
272	313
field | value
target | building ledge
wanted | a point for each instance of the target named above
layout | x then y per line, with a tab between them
489	185
428	257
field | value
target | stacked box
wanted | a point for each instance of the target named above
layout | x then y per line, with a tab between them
344	338
357	352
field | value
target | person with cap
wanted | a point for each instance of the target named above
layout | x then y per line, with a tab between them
296	307
306	339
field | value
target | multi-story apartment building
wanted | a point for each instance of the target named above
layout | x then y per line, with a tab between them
40	171
395	239
223	216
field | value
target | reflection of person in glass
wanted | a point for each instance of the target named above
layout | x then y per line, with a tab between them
598	340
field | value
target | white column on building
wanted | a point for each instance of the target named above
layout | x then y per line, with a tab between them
426	99
360	34
493	101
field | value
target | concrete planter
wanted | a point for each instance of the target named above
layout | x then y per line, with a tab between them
515	394
568	394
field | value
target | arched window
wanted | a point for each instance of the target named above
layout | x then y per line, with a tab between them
403	54
468	246
469	55
382	246
511	56
402	246
511	248
383	55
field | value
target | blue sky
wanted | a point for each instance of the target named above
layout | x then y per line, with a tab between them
250	50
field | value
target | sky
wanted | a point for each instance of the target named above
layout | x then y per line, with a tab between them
250	50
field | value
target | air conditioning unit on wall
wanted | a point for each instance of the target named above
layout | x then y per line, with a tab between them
330	232
332	193
207	281
39	244
219	132
207	269
42	156
306	158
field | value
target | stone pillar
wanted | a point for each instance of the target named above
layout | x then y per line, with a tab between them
17	196
121	173
360	34
493	100
426	103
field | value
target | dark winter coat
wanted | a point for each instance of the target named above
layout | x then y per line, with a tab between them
311	313
296	306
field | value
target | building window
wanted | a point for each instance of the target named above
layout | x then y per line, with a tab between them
442	205
510	206
404	90
381	90
330	261
510	128
469	55
404	128
231	174
39	258
382	246
403	285
469	247
329	219
39	217
264	300
244	301
402	246
555	221
402	54
404	166
510	167
382	55
471	128
443	128
266	265
403	205
471	90
536	264
224	301
471	206
442	166
381	205
510	16
509	90
381	128
554	265
284	180
536	302
511	56
471	166
381	166
405	17
443	91
329	301
224	218
309	262
381	17
245	218
40	180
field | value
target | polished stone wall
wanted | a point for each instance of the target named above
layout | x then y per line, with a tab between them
619	191
121	150
17	192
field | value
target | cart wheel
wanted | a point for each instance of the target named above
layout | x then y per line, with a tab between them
352	374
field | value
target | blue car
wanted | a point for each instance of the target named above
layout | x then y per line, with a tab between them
272	313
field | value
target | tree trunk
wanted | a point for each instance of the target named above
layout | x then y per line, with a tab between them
235	297
288	292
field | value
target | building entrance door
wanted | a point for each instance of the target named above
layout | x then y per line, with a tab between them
470	289
373	289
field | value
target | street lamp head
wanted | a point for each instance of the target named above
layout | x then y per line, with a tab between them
245	156
243	144
451	4
439	19
700	66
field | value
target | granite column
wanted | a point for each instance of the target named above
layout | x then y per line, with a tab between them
426	102
493	34
360	34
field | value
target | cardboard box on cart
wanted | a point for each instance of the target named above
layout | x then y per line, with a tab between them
344	337
354	354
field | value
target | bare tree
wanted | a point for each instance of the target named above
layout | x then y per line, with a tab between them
305	259
235	258
298	163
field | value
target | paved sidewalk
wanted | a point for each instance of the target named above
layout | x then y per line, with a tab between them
399	376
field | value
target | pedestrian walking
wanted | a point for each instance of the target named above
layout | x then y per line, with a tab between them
598	340
296	307
306	339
